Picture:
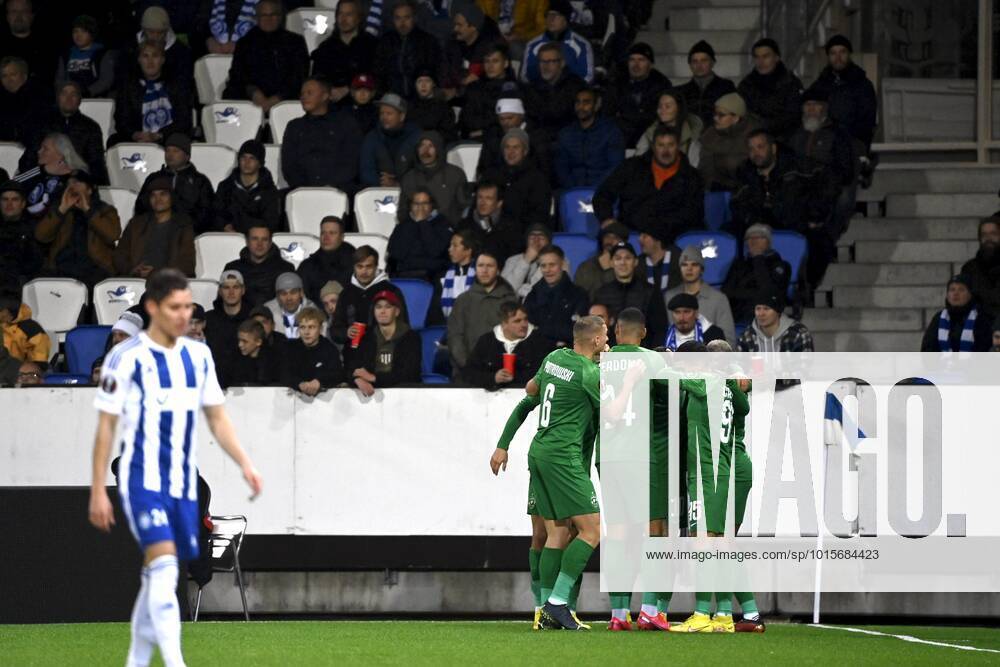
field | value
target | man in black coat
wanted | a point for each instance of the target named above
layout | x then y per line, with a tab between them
630	289
82	130
659	193
983	270
636	96
260	264
23	103
527	195
349	51
771	91
192	191
20	257
390	352
171	112
516	336
248	197
510	113
355	305
555	302
492	227
333	261
311	363
851	96
473	36
761	270
552	99
230	309
404	51
481	96
771	188
705	87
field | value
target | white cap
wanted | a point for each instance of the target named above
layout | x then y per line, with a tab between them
510	105
129	323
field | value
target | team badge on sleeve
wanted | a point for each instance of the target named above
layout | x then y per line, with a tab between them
108	384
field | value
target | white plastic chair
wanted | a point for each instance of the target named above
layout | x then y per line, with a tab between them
114	296
204	291
327	4
466	156
315	25
210	75
130	163
295	247
213	250
214	160
55	302
307	206
10	155
281	115
101	110
272	160
122	199
375	210
231	122
377	241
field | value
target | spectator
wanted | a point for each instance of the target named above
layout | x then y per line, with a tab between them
23	337
329	297
527	196
589	149
418	246
311	362
127	326
87	63
273	340
705	87
222	23
523	271
473	35
80	233
712	304
551	98
637	95
555	303
983	270
661	260
44	184
20	258
321	148
672	111
724	145
248	197
518	21
255	365
514	335
23	102
481	96
509	115
260	264
387	151
761	270
288	302
349	51
962	325
688	324
155	29
196	325
24	40
355	305
333	260
429	110
461	275
577	52
359	104
404	51
771	188
851	96
491	227
601	311
646	187
996	335
772	330
629	289
29	374
598	270
83	132
431	171
771	91
269	62
476	311
192	191
229	310
390	352
161	237
151	106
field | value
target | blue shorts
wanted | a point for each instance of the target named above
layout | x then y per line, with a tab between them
157	517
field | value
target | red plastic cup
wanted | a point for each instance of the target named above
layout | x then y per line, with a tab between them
360	326
508	362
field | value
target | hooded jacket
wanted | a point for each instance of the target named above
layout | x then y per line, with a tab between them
325	265
221	328
355	305
25	339
723	153
322	151
103	229
779	201
259	277
446	182
434	113
275	63
486	358
390	152
851	100
554	309
791	336
701	101
475	312
637	293
243	207
419	249
586	156
392	361
132	244
192	195
527	196
775	98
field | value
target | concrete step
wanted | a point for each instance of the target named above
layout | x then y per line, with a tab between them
849	296
835	320
899	252
941	205
713	18
886	274
909	229
868	341
729	66
955	180
681	41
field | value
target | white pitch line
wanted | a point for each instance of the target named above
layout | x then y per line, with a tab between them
905	638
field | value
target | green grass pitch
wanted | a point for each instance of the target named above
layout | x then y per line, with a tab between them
288	643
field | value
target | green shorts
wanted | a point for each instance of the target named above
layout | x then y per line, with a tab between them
715	503
559	490
658	500
588	456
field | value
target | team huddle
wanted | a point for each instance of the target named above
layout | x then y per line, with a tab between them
562	501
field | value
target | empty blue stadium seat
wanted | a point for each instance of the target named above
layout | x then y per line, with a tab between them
417	294
84	344
435	378
430	337
719	250
67	378
577	212
717	212
578	248
793	248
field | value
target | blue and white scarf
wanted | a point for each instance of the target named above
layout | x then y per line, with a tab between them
672	344
157	112
373	24
452	288
966	342
246	20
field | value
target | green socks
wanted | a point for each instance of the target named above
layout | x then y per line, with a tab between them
574	593
574	559
663	602
747	604
620	600
548	570
535	555
724	604
649	598
703	603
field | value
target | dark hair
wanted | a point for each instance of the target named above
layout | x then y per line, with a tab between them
632	317
10	300
412	4
766	42
551	46
419	191
163	282
363	253
324	83
682	108
258	224
490	252
486	184
356	3
469	240
552	249
992	220
509	308
664	131
19	63
332	218
498	47
761	132
590	90
252	327
692	346
263	311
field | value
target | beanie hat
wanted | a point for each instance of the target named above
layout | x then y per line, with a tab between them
472	13
642	49
732	103
128	323
961	278
516	133
701	46
155	18
839	40
286	281
564	7
179	140
510	105
815	94
254	148
683	300
331	287
769	43
692	253
770	298
758	229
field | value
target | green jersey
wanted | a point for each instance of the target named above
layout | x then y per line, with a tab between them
659	403
699	435
569	390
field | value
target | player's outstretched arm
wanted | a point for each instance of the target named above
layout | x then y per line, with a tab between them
521	411
224	432
102	514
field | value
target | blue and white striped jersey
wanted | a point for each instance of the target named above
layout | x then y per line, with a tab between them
158	393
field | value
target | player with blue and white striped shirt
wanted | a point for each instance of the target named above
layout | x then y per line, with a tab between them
156	383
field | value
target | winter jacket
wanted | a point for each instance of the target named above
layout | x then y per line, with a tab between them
85	135
25	339
192	195
677	207
723	153
527	197
22	113
355	305
578	55
319	362
132	244
433	114
446	182
128	109
982	333
713	305
461	59
57	231
634	103
221	329
779	201
521	274
791	336
590	277
552	104
259	277
637	293
828	149
365	115
274	63
419	249
392	361
851	100
20	256
749	276
586	156
279	315
775	98
322	151
244	207
338	63
539	153
479	111
325	265
476	312
983	271
486	358
554	309
390	152
398	59
500	234
701	101
691	132
259	371
528	16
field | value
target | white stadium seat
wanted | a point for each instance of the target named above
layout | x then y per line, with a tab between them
122	199
55	302
315	25
296	247
281	115
210	75
214	160
10	155
114	296
375	210
213	250
272	160
231	122
307	206
129	164
102	110
327	4
377	241
466	156
204	291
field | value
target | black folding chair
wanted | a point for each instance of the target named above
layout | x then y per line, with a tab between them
226	540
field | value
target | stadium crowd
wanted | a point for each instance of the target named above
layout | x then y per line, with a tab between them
556	101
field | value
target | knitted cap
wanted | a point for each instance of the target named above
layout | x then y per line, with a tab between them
692	253
732	103
287	281
701	46
839	40
331	287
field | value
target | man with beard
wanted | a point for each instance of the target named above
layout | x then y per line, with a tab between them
983	270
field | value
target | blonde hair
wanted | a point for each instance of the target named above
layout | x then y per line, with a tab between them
310	314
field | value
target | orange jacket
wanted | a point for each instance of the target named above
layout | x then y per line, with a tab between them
529	16
25	339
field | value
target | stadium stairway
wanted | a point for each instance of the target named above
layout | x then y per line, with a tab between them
894	263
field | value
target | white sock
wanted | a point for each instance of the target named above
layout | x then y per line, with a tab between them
163	609
752	617
620	614
649	609
140	650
